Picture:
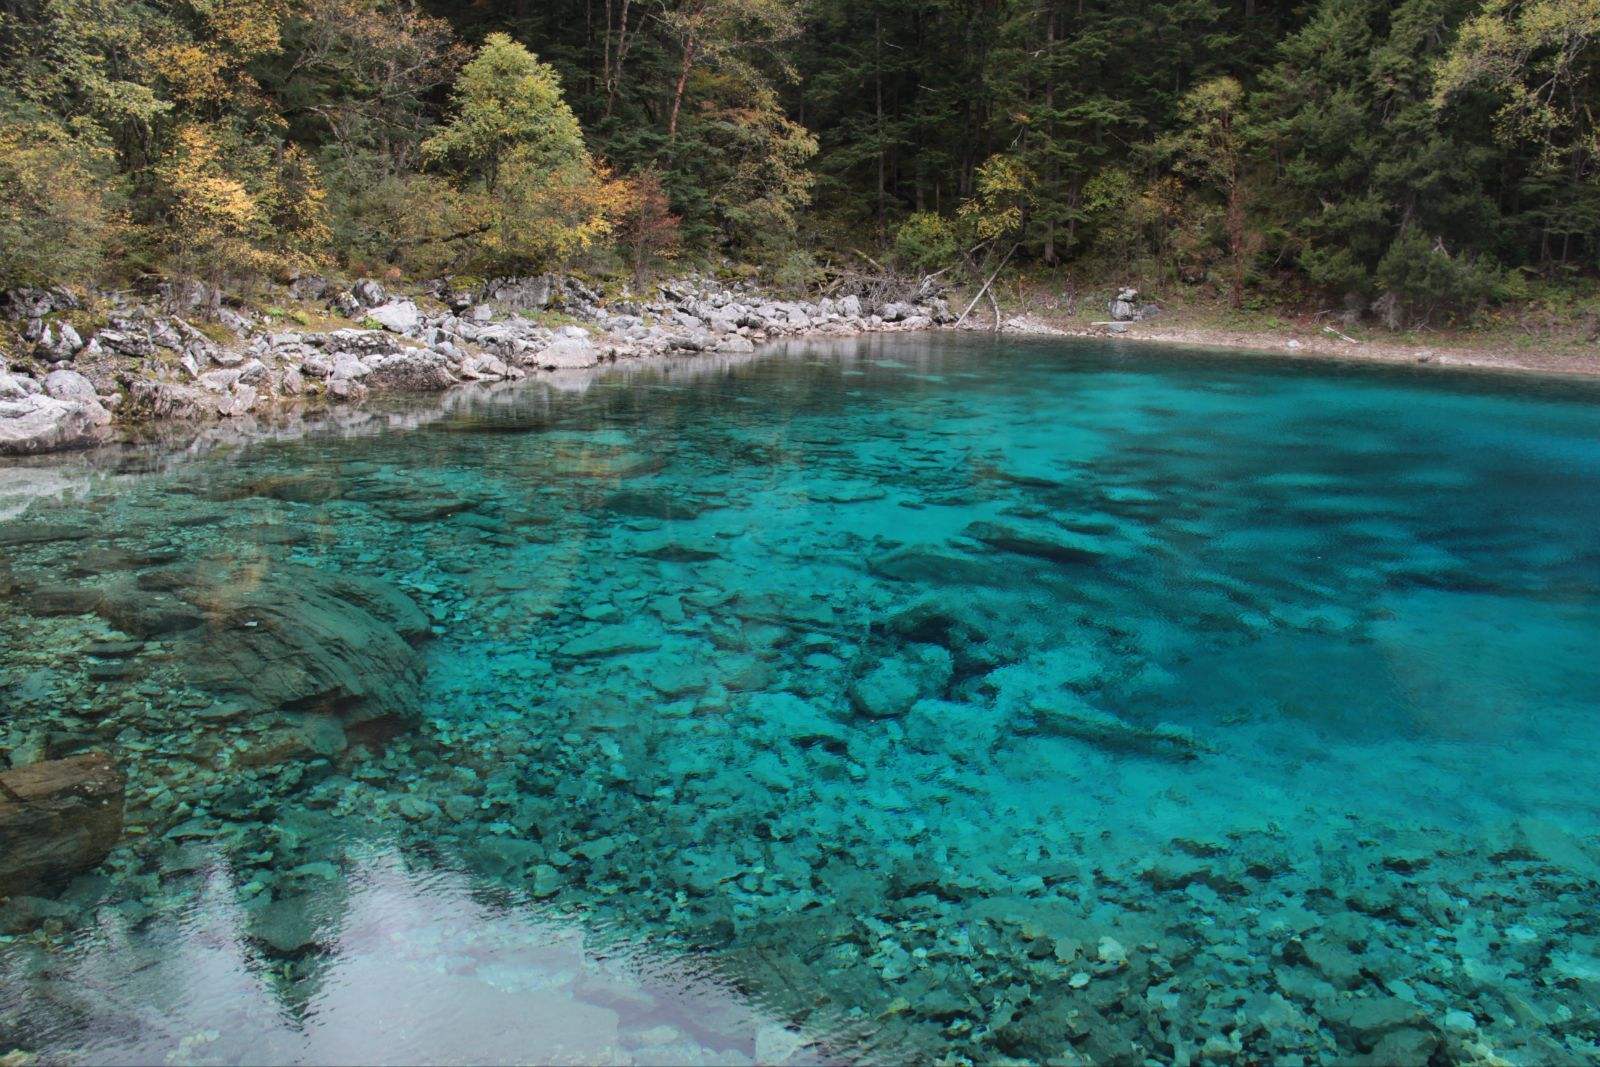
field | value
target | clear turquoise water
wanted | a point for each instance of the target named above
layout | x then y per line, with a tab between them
912	697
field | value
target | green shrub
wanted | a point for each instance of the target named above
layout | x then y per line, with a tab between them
796	272
1432	283
926	241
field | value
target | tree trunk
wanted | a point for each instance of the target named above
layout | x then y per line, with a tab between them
1048	253
1238	242
677	93
619	57
877	70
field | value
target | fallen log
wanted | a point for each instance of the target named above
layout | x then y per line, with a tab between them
1081	722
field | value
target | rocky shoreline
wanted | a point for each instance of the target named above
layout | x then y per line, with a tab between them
80	386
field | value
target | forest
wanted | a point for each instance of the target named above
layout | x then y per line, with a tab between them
1415	161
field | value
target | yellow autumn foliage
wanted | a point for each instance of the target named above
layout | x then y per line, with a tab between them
56	218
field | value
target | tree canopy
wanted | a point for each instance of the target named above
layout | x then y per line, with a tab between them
1419	157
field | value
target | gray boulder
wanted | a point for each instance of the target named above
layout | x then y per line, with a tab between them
397	316
15	387
70	385
368	293
126	342
1124	308
33	303
169	400
414	370
521	294
568	353
39	423
309	287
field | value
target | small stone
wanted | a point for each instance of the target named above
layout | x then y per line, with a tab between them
322	869
416	809
1460	1022
546	881
675	678
107	672
114	649
323	735
225	711
1366	1020
1079	980
777	1044
459	807
1409	1047
1334	962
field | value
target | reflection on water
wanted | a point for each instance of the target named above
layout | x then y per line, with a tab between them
921	696
413	966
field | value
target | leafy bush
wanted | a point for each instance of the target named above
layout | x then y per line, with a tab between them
796	272
56	218
1432	283
1335	270
380	217
926	241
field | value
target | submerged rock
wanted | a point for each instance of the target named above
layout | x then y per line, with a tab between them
306	640
273	635
1038	540
612	641
286	927
648	504
57	818
895	684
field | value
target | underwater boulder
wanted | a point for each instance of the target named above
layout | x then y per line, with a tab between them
57	818
898	682
298	638
1041	541
943	727
652	504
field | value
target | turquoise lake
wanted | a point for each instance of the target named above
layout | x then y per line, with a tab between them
913	698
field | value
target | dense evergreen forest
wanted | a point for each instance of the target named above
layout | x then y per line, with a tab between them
1419	159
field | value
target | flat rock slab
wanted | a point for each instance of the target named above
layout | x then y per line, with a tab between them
646	504
1039	541
612	641
673	549
35	533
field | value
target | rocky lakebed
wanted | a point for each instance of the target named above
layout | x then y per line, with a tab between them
910	697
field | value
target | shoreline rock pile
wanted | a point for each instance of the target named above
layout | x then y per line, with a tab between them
141	364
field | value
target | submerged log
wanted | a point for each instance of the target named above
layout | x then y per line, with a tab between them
1084	723
57	818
